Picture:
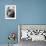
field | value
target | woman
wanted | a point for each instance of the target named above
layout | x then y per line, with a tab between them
10	12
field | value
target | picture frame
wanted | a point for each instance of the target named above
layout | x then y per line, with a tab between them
34	30
10	11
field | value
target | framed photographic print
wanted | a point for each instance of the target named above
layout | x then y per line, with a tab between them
10	11
31	32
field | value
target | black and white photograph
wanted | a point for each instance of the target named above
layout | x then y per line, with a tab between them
10	12
29	34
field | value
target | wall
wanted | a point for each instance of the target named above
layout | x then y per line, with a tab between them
27	12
